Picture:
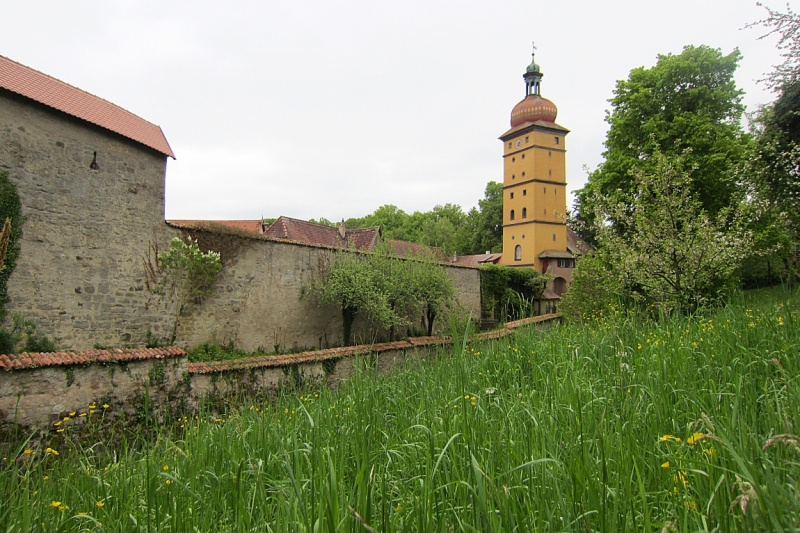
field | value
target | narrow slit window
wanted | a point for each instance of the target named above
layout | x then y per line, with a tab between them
518	253
524	212
511	215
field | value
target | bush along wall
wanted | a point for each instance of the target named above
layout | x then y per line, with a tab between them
510	293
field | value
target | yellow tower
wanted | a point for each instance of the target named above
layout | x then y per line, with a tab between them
534	181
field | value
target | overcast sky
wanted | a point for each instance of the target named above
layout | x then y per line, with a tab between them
332	109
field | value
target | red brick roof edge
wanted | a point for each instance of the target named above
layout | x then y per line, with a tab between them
38	360
56	94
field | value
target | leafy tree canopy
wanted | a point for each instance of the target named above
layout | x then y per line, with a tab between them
687	101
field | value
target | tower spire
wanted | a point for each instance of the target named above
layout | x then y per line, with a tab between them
533	76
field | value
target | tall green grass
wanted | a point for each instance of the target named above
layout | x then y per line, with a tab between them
621	425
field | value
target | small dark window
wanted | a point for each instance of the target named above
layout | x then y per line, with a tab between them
524	212
523	235
513	176
545	211
509	145
526	138
513	159
549	154
511	196
566	263
524	192
545	190
523	173
555	140
549	172
523	156
518	253
511	215
554	236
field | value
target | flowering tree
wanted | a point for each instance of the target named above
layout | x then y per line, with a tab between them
195	271
672	254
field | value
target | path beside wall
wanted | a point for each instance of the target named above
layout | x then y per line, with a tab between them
42	389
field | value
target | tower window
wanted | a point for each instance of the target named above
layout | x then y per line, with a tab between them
566	263
555	140
524	192
545	190
545	211
523	156
550	172
513	159
511	196
554	236
518	253
509	146
549	154
523	235
524	212
523	173
526	139
511	215
513	176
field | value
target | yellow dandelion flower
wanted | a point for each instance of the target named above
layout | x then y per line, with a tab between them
105	406
60	430
286	411
165	468
82	513
28	452
100	504
55	504
168	482
691	505
677	439
665	465
664	438
63	507
57	423
398	508
51	450
82	414
72	413
46	478
696	436
91	411
709	452
66	419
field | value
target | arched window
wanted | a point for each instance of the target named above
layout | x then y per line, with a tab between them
518	253
524	212
511	215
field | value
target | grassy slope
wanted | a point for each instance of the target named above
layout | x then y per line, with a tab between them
567	430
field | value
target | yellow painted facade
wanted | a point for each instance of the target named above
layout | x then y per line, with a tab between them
534	194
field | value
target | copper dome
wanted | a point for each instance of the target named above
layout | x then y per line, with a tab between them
533	108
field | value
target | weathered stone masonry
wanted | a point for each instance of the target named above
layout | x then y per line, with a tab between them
80	275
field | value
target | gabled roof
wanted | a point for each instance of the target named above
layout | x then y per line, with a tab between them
56	94
575	244
305	232
555	254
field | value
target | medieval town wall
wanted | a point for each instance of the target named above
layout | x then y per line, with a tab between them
80	276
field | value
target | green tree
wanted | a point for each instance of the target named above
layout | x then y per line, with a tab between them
11	210
686	101
195	271
482	229
430	287
773	168
351	282
673	255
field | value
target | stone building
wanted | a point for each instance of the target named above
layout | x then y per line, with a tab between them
90	176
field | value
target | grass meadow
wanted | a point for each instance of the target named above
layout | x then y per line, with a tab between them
687	424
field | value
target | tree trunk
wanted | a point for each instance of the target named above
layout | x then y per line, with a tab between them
431	315
348	316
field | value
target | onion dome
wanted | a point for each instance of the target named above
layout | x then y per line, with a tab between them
533	108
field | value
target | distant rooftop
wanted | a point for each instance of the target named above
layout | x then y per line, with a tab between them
63	97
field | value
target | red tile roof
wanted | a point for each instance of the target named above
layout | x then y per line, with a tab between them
249	225
58	95
305	232
575	244
36	360
412	249
476	260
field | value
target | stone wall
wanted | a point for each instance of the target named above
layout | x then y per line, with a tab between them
37	390
80	276
259	302
40	389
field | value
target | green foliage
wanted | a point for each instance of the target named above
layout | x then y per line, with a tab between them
570	429
594	289
672	255
687	104
387	290
445	226
196	270
23	337
10	208
509	293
